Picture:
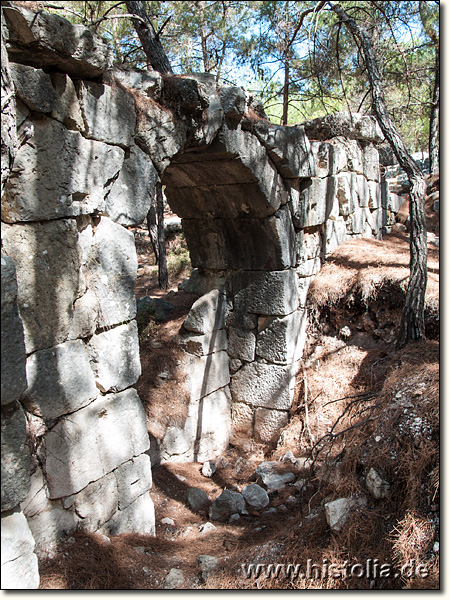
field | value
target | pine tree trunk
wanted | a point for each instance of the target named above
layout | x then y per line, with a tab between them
434	120
152	226
412	325
163	276
151	45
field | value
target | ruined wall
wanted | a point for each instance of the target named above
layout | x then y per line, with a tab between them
261	207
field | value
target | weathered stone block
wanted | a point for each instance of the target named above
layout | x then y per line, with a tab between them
288	147
356	222
47	264
241	344
59	380
50	526
253	155
335	235
207	314
264	385
34	87
85	316
269	424
360	190
269	293
322	153
94	441
134	478
202	345
112	269
242	419
114	357
19	563
201	282
108	113
130	197
280	341
233	101
138	517
315	201
351	125
371	163
96	503
66	109
15	456
65	179
149	83
205	374
159	133
13	357
374	194
215	427
45	40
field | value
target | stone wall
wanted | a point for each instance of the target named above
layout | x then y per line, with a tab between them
261	207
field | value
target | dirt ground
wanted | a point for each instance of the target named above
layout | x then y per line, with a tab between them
359	403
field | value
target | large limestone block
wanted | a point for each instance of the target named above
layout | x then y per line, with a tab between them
94	441
114	357
96	503
138	517
267	293
19	562
360	190
281	341
50	526
13	358
133	478
36	500
253	155
205	374
322	153
129	199
241	344
214	429
47	265
351	125
288	147
108	113
34	87
242	419
202	345
242	243
15	456
374	194
201	282
210	120
46	40
85	316
111	271
66	109
58	173
269	424
233	101
335	235
314	202
371	163
149	83
264	385
207	314
158	132
59	380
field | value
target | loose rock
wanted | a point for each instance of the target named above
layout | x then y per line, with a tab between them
376	484
196	499
173	579
256	496
227	504
209	468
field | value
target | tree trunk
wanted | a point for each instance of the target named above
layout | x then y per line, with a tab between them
163	276
412	325
152	226
434	120
285	92
151	45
